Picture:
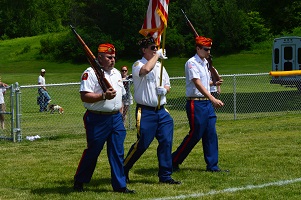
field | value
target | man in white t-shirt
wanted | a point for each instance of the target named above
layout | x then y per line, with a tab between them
44	98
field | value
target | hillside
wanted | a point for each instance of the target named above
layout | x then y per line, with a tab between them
21	62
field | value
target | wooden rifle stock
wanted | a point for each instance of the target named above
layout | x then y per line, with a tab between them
103	82
214	74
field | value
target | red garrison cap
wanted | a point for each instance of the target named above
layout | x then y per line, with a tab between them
203	41
106	48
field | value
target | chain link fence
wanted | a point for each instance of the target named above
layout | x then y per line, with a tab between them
245	96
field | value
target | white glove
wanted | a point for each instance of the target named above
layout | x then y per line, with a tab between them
161	91
161	54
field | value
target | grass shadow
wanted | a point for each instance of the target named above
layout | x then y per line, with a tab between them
66	187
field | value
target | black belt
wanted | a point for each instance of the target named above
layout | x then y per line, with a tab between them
103	113
198	98
150	108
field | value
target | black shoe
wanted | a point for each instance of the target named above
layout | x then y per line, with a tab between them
175	167
78	186
125	190
218	170
171	181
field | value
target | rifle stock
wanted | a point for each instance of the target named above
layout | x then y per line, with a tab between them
214	74
103	82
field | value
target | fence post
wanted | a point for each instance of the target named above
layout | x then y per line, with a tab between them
12	113
18	113
234	96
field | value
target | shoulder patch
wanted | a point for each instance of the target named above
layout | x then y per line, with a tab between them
85	76
191	65
136	64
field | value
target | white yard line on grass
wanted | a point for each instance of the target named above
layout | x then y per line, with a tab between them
230	190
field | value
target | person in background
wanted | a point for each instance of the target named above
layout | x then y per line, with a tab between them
200	109
215	89
127	99
152	119
44	97
2	103
103	122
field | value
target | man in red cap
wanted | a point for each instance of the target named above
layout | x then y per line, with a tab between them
103	122
200	110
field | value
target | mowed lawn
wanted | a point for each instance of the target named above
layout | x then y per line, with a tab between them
261	154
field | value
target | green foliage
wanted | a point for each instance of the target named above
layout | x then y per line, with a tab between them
230	28
258	31
54	46
175	43
32	17
4	37
118	22
295	32
234	25
280	16
26	49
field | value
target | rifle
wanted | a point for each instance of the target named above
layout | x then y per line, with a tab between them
190	24
103	82
214	74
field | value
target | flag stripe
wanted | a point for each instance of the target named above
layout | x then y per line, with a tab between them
163	10
155	20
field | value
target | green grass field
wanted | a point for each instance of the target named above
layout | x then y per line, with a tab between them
262	154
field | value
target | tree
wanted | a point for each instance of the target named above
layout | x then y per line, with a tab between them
280	15
32	17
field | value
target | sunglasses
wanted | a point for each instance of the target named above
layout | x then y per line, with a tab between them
111	57
153	47
124	70
206	49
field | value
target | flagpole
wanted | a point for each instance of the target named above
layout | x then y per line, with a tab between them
161	69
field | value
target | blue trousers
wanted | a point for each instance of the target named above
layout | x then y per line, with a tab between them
43	99
153	124
101	129
202	120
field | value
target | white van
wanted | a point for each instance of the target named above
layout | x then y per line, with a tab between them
287	57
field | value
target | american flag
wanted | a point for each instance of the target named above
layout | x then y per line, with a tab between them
155	20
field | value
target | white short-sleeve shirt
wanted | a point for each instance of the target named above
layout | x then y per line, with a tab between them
41	80
89	83
195	67
145	86
1	95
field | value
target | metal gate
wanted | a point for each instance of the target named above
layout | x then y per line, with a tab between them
11	115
